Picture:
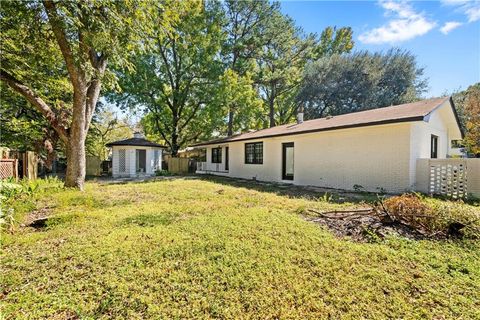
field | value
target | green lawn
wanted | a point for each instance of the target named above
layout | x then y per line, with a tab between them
209	249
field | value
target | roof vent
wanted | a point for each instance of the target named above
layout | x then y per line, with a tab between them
138	135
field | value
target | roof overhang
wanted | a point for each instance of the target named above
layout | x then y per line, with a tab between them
367	124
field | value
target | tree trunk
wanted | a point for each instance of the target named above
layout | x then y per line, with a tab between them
271	107
175	145
76	163
230	123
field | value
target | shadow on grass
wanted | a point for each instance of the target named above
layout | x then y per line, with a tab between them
295	191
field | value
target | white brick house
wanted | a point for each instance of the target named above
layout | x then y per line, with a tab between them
135	157
375	149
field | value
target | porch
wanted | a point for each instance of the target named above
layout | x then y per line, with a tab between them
211	168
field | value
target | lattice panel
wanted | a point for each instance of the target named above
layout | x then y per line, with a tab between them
449	180
122	160
7	168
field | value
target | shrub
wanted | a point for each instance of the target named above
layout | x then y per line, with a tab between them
162	173
435	216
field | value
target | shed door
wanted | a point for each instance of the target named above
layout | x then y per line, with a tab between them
141	157
287	161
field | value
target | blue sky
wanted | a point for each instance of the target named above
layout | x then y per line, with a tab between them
443	35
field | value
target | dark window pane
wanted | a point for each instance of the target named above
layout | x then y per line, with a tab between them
254	153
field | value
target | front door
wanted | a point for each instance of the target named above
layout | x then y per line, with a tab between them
287	161
141	157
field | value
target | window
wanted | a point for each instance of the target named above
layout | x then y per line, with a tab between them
122	167
216	155
254	153
433	146
156	159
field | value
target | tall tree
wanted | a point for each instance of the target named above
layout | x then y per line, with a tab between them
347	83
283	59
468	105
244	27
106	127
175	80
49	41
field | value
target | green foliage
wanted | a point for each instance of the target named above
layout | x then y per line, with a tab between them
106	127
360	81
468	106
183	249
161	173
238	93
175	79
335	41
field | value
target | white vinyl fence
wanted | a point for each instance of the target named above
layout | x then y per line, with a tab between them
454	178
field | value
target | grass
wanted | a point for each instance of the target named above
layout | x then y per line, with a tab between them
214	249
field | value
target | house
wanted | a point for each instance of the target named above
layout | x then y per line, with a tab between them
135	157
373	150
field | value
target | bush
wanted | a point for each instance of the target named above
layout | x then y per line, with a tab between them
162	173
435	216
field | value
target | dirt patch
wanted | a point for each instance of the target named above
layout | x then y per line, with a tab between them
376	223
37	219
364	226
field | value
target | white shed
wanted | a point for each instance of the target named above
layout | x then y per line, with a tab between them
135	157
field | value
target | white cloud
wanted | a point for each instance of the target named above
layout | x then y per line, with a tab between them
405	24
470	8
449	26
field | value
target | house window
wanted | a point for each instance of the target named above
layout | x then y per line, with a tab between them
433	147
216	155
254	153
122	166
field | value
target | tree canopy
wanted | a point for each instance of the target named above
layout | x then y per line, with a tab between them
362	80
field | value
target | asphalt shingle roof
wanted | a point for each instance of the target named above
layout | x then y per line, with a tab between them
135	142
415	111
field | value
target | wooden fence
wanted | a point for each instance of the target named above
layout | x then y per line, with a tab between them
93	166
453	178
178	165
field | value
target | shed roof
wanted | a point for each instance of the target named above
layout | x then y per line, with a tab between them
415	111
135	142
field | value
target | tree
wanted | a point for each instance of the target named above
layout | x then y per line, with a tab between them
70	43
347	83
283	59
24	128
106	127
245	25
468	106
175	79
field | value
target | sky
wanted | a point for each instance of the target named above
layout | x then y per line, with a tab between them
443	35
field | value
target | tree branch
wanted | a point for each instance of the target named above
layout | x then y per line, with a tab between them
36	101
59	32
